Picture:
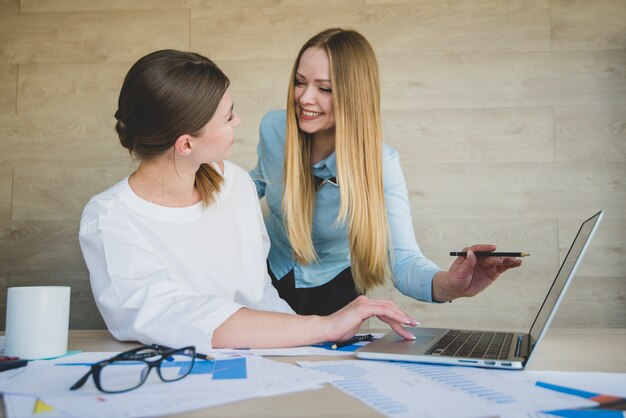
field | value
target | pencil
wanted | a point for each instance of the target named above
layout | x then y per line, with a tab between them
355	339
488	254
198	355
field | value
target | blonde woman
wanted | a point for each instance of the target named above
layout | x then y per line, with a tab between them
339	218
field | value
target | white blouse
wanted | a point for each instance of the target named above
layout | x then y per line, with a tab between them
171	276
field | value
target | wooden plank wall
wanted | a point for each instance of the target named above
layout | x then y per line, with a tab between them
510	117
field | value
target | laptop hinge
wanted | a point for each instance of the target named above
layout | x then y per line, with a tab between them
523	346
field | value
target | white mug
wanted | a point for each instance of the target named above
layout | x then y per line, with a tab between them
37	321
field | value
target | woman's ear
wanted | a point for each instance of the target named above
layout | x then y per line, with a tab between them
183	144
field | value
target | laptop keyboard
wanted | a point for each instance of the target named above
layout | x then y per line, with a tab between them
476	344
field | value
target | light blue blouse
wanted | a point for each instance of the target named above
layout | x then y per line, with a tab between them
412	272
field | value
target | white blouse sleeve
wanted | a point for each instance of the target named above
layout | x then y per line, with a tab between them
134	293
271	301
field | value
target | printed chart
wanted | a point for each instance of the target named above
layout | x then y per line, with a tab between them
399	389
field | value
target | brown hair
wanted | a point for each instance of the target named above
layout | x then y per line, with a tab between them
358	145
167	94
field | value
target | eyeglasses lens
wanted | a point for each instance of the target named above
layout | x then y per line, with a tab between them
177	365
119	376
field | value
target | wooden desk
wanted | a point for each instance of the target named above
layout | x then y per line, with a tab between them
563	350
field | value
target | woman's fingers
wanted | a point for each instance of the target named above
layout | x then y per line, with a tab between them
481	247
391	314
516	262
363	308
401	331
398	328
390	310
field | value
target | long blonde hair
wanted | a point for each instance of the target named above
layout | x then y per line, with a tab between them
358	147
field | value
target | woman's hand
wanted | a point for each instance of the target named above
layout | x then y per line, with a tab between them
470	275
344	323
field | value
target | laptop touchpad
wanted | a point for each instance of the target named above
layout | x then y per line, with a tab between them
423	339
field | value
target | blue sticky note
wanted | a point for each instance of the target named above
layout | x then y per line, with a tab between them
203	367
232	368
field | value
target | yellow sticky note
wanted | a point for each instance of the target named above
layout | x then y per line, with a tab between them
41	407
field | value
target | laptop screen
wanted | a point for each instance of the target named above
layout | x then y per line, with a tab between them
570	264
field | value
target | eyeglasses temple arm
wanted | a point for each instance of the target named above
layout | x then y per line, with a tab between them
197	355
81	381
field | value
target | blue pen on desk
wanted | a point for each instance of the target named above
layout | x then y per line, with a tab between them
353	340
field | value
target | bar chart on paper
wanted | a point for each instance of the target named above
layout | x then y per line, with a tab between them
399	390
394	391
455	380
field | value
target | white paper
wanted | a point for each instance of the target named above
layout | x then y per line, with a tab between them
50	381
612	384
398	389
603	383
23	406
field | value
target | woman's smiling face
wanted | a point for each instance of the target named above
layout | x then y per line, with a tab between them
313	92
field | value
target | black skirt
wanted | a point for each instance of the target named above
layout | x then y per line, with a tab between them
321	300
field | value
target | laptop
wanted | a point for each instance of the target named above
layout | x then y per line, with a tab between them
492	349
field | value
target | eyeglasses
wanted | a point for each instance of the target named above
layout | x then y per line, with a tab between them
130	369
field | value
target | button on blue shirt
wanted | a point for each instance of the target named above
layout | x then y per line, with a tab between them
412	272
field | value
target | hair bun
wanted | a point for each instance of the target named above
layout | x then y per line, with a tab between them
124	132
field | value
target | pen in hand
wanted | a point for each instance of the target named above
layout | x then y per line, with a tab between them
488	254
355	339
